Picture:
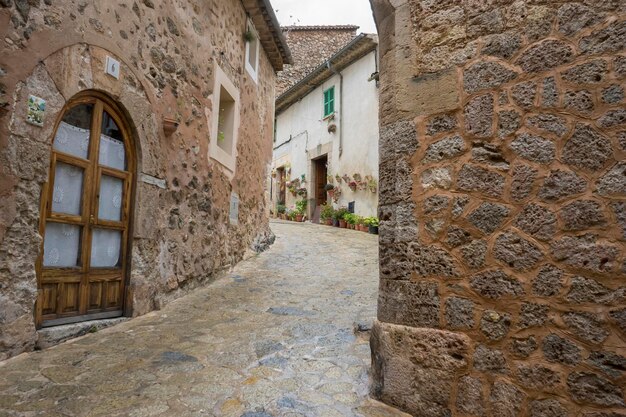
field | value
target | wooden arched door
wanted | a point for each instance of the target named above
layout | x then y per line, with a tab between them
85	215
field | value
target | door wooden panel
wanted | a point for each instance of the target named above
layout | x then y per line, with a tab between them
85	215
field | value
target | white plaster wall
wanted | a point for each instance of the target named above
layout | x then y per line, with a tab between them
300	130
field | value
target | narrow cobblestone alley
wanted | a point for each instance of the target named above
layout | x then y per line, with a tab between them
273	338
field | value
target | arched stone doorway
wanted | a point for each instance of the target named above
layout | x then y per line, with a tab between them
86	207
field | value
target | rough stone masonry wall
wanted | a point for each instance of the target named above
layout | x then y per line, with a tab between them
309	49
503	209
168	50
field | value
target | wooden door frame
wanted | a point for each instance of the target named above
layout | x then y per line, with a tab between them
122	119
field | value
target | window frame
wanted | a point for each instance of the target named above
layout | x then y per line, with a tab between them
328	103
252	71
227	160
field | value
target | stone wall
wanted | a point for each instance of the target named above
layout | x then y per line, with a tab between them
310	46
503	214
168	51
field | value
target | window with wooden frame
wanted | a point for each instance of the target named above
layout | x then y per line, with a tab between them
253	46
225	122
85	215
329	101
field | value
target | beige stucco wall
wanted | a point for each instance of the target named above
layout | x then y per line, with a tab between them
310	138
168	51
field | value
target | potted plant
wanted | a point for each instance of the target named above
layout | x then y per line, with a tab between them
300	210
353	185
328	187
281	209
361	224
372	224
350	219
338	178
338	216
336	193
326	214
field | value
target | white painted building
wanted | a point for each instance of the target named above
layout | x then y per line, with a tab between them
327	127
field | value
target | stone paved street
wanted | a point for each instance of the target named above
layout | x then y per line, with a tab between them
273	338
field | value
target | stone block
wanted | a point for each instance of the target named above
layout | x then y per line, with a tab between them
479	114
548	123
587	387
458	205
459	313
444	149
490	360
474	254
488	217
547	408
475	178
522	347
440	177
561	184
524	177
574	17
502	45
457	236
407	360
506	399
537	377
586	326
585	253
548	282
486	75
613	183
612	118
613	94
610	39
432	261
619	317
587	149
581	215
588	290
509	122
537	221
610	363
397	139
516	252
489	154
429	93
495	325
491	21
496	284
409	303
550	93
441	123
532	315
559	350
592	72
619	63
524	94
534	148
546	55
470	399
619	210
580	102
436	204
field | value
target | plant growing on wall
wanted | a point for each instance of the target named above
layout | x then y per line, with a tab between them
338	178
336	193
357	177
353	185
346	178
248	36
372	184
302	192
330	179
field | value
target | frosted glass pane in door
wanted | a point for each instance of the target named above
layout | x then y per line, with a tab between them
112	152
111	198
61	245
105	248
72	136
68	189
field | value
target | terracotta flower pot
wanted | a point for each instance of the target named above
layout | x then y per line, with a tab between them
299	217
328	222
342	224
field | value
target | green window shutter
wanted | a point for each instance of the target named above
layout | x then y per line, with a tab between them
329	101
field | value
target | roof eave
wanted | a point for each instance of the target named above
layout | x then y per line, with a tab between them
352	52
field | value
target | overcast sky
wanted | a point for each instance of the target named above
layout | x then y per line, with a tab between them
325	12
